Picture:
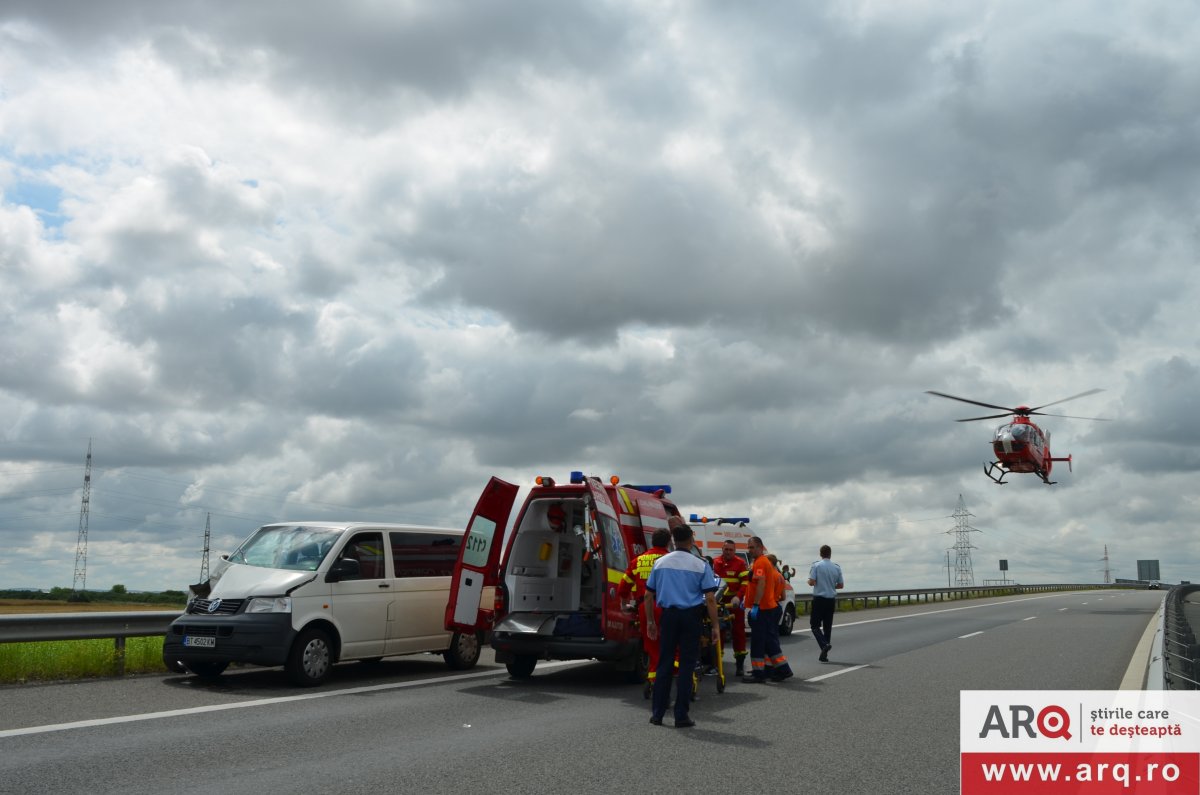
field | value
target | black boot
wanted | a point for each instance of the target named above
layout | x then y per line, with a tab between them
740	662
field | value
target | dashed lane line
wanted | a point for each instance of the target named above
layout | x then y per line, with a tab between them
836	673
970	634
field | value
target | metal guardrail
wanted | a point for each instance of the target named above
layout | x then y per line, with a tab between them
919	595
39	627
1180	651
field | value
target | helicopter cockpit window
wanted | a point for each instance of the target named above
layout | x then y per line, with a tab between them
1012	433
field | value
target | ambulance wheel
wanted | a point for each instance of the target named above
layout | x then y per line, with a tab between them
310	659
789	621
207	670
464	650
522	666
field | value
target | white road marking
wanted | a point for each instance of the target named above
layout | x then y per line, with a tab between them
265	702
1031	618
836	673
1063	608
841	626
970	635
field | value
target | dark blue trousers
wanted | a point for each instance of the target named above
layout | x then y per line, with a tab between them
679	630
821	621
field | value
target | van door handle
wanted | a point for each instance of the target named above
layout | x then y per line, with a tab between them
385	585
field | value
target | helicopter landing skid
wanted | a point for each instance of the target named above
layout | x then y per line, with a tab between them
997	472
991	469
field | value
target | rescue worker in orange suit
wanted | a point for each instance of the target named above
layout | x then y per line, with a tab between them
633	588
767	660
733	572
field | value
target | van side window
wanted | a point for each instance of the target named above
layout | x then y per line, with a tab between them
367	549
424	554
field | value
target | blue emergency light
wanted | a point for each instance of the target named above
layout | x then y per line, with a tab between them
722	520
576	477
651	489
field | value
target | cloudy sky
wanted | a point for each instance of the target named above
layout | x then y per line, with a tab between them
311	260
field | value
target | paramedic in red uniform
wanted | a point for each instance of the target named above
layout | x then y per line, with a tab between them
633	587
734	573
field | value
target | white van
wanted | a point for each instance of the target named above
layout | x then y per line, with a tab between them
305	595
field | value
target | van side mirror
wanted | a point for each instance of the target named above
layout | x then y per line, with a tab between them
343	568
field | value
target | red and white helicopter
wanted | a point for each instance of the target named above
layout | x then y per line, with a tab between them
1020	445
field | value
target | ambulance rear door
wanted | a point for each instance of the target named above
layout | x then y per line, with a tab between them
478	564
606	539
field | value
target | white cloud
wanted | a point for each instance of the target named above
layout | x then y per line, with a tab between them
354	262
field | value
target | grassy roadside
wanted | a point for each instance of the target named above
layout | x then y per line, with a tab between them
49	661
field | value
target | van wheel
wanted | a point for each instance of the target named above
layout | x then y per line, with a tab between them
464	651
522	666
207	670
789	621
310	659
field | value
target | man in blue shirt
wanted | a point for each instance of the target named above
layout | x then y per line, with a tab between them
825	577
682	584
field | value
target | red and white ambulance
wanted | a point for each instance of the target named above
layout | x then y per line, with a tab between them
711	535
550	591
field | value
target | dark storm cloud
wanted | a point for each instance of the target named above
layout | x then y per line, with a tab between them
349	261
437	50
1159	427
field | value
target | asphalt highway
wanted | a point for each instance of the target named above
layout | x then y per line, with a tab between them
880	717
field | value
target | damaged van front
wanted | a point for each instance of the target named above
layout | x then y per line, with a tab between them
305	595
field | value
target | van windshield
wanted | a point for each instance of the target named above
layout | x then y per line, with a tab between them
293	547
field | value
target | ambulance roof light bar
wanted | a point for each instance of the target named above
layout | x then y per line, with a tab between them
577	478
740	521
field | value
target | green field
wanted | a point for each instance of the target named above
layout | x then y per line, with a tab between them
76	659
47	661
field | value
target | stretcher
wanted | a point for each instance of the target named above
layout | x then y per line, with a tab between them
712	657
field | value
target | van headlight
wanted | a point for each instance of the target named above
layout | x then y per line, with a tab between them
269	604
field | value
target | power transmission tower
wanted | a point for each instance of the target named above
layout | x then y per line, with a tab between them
1107	570
204	557
80	583
962	545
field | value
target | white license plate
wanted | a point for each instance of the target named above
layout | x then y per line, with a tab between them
191	640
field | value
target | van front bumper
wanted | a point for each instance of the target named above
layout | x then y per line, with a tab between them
262	639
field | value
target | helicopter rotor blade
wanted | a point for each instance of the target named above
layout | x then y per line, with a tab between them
1037	409
988	417
976	403
1071	416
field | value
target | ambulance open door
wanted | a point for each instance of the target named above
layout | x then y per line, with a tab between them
478	565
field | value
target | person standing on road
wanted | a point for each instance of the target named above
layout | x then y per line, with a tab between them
767	660
682	584
825	577
734	573
633	588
